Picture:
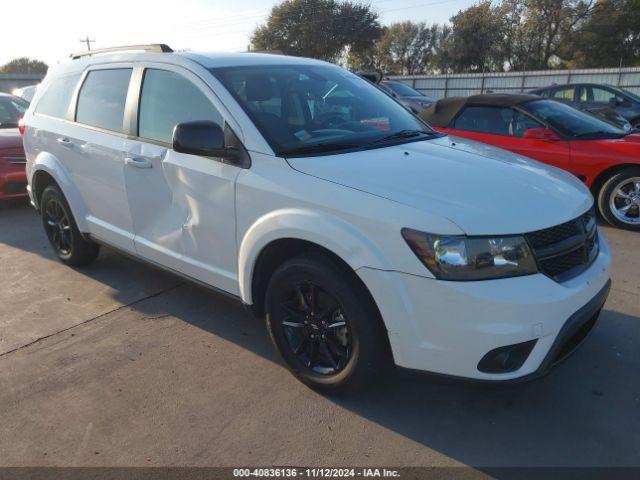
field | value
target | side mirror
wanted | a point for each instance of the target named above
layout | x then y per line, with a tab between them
203	138
541	134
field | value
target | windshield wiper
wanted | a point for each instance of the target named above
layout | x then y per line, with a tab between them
319	148
402	134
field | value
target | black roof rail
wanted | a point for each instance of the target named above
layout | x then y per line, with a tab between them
153	47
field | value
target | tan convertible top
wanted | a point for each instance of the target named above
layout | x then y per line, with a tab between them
441	113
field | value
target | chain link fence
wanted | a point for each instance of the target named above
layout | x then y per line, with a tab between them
464	84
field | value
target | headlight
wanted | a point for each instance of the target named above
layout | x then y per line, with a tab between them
471	258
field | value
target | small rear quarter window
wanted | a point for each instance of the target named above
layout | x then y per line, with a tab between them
57	97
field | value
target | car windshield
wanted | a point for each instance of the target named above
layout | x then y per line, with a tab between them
316	109
627	93
11	110
403	89
571	122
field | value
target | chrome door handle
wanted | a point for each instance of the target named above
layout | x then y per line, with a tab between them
138	162
65	142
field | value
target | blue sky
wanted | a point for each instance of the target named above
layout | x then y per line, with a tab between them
53	29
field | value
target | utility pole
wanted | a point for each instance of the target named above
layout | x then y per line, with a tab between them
88	41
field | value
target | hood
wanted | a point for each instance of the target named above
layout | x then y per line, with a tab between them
482	189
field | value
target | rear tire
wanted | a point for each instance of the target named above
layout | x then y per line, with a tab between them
333	339
619	199
61	229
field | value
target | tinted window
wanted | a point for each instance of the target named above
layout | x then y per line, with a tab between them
402	89
600	95
495	120
301	107
566	94
55	100
102	98
168	99
570	121
11	111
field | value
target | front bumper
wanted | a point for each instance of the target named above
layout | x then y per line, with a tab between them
448	327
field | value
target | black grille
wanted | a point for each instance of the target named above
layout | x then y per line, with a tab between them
566	250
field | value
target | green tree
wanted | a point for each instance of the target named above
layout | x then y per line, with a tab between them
24	65
608	38
322	29
537	32
404	48
474	44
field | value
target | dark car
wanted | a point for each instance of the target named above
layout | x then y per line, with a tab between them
13	178
593	96
406	95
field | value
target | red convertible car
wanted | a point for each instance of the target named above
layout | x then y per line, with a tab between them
605	158
13	178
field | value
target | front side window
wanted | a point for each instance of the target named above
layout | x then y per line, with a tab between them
299	108
495	120
11	111
167	99
570	121
102	99
600	95
57	97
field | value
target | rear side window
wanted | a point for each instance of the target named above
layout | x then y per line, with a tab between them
495	120
566	94
102	98
56	99
167	99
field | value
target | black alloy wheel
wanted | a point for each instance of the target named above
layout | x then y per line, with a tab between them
316	329
67	241
325	325
58	227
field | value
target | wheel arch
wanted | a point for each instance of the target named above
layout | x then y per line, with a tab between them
606	174
47	170
283	234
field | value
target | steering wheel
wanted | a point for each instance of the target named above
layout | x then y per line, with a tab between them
331	119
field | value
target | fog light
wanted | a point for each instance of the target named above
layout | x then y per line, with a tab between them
506	359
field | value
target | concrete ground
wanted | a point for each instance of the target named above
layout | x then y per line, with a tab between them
117	364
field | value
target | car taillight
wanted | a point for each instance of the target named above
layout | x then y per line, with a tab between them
21	126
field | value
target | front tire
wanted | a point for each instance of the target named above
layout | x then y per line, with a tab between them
61	229
324	324
619	199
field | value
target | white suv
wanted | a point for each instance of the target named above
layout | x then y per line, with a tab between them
363	236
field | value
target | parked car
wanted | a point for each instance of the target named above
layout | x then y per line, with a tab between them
13	179
612	117
410	97
362	235
605	158
594	96
26	93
